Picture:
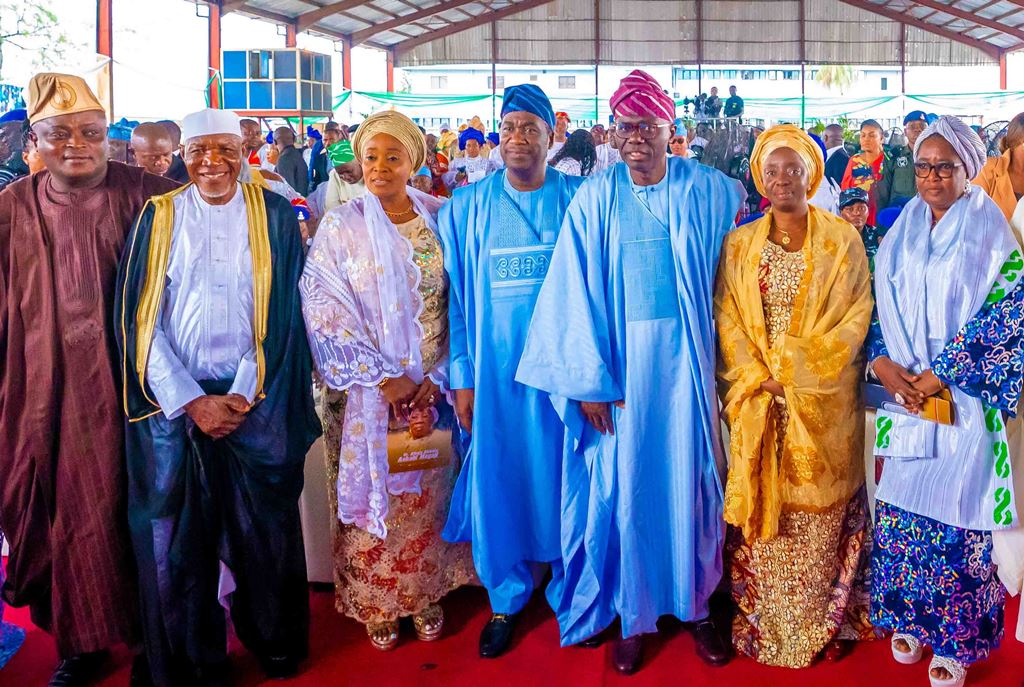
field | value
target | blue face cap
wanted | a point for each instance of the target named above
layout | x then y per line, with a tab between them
915	116
852	195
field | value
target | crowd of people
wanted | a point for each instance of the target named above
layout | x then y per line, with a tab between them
673	367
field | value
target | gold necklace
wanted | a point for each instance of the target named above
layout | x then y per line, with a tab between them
785	235
399	214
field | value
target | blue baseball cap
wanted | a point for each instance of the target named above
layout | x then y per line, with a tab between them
852	196
915	116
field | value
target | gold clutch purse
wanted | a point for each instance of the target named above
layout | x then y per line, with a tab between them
938	408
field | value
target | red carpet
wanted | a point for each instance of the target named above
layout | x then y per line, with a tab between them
340	655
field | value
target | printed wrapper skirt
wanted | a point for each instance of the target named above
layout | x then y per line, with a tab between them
937	583
380	580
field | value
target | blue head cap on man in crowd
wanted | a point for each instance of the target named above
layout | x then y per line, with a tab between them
530	98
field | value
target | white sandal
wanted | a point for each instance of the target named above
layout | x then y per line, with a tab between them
906	657
953	667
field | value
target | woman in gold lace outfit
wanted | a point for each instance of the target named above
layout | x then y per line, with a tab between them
375	302
793	305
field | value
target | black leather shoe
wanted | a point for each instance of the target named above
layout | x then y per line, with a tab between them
593	643
140	672
280	667
497	634
710	647
628	654
78	671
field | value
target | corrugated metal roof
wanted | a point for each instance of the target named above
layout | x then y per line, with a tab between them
425	32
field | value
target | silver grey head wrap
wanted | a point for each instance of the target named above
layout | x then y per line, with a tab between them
965	142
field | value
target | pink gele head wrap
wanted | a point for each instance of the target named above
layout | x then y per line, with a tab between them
640	95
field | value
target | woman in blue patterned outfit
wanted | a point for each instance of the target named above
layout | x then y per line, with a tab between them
950	312
11	636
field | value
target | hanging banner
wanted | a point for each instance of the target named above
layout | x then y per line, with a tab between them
972	103
815	108
416	104
991	104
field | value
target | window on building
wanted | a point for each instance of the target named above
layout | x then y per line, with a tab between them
500	84
259	64
438	82
885	83
567	82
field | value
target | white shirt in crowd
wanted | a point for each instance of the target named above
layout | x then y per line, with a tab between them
555	147
606	156
496	159
570	166
476	169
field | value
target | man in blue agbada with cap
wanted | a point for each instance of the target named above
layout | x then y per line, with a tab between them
498	235
623	327
898	184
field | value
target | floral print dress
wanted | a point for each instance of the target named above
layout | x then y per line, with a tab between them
380	580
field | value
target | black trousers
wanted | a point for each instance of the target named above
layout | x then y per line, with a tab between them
195	503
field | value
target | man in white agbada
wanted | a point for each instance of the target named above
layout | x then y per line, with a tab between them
217	378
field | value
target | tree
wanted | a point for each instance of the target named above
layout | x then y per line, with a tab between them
838	76
24	24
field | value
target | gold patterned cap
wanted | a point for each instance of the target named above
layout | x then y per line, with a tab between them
52	95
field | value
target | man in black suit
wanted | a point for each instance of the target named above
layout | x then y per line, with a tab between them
836	157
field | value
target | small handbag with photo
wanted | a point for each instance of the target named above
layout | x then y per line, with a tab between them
417	443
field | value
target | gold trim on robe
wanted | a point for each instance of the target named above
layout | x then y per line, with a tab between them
156	278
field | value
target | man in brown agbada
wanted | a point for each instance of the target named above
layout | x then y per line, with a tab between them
62	466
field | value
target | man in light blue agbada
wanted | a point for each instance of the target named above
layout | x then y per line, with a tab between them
498	235
623	328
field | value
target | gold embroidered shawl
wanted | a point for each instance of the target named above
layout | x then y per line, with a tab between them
817	362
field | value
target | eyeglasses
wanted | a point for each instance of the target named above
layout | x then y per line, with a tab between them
923	170
624	130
